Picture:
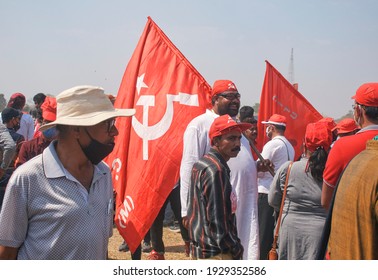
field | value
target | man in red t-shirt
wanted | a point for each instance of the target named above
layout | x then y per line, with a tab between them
366	116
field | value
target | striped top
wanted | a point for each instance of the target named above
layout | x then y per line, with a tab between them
212	225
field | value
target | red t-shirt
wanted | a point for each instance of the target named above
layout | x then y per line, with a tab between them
343	151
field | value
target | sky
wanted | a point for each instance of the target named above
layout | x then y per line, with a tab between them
49	46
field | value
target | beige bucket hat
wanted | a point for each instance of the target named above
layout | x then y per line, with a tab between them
85	106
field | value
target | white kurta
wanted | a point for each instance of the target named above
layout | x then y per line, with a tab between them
243	179
196	144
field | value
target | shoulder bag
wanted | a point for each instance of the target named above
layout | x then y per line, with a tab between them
273	255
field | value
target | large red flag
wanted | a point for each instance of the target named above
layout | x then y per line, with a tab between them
167	92
278	96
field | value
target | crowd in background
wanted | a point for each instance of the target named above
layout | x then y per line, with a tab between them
53	182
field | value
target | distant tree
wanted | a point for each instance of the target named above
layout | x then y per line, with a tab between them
3	102
256	107
347	115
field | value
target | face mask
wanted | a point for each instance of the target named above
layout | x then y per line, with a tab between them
50	133
358	119
97	151
16	127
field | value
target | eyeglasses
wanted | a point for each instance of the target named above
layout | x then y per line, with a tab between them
230	96
109	123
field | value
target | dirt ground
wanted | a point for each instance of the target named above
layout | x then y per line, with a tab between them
174	247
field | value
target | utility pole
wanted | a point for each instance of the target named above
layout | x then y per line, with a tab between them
291	70
291	67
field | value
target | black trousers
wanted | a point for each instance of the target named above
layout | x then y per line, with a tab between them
266	225
156	230
137	255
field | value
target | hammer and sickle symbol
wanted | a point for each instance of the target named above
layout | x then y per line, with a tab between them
148	133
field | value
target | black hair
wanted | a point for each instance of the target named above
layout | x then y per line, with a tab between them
246	112
39	98
281	128
371	113
317	162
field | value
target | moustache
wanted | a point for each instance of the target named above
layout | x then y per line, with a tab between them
236	149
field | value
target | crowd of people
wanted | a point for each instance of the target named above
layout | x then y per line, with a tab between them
57	198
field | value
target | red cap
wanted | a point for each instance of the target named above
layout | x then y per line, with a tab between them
276	119
318	135
17	101
48	108
367	95
225	124
221	86
329	122
346	125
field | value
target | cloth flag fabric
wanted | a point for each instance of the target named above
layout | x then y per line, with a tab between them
278	96
167	93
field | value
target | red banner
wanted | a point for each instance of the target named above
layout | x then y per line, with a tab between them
278	96
167	92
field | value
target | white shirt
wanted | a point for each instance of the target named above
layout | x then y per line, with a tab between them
243	180
26	127
278	151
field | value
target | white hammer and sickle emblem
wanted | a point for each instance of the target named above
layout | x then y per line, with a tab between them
148	133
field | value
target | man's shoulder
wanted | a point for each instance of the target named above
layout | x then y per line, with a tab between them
203	119
27	117
210	160
353	140
274	142
32	166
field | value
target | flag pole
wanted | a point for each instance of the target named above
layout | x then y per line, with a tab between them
270	169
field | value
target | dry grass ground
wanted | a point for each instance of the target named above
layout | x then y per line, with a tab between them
174	247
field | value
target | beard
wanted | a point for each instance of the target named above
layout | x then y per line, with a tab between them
231	109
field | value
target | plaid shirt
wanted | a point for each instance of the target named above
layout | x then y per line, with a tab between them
212	225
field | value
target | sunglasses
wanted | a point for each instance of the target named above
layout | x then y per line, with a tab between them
109	123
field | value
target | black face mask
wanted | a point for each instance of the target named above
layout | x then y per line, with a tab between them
16	127
96	151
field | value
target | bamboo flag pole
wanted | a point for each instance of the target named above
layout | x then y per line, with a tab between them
270	169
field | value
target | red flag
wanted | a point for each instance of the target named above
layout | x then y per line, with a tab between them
278	96
167	92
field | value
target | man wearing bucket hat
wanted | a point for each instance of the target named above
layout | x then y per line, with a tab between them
212	200
366	116
278	150
225	99
59	205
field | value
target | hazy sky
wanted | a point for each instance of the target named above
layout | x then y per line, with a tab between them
49	46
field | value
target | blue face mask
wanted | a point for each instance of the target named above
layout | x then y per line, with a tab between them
50	133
